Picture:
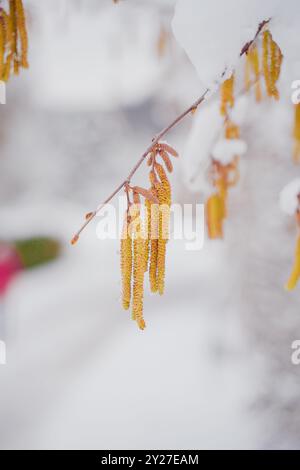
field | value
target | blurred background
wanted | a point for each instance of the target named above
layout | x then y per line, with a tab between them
213	368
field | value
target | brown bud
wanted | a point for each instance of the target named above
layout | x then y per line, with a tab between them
74	239
169	149
146	194
151	158
166	160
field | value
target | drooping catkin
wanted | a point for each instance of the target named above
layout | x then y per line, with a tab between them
222	186
126	263
148	233
248	72
164	197
232	131
272	60
214	216
222	177
7	68
13	40
227	95
153	266
154	231
138	266
14	36
21	27
2	44
297	134
165	183
295	275
276	61
253	67
162	242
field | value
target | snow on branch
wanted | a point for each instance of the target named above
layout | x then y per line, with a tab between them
156	140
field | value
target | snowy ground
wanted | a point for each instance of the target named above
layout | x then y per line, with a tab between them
80	375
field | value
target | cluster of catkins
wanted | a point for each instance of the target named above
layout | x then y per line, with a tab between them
223	176
13	39
144	239
269	66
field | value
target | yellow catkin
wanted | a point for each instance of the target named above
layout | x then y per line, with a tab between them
164	197
13	40
274	68
248	70
227	95
126	264
8	27
154	236
272	60
151	222
7	68
266	56
222	186
148	234
297	134
295	276
14	27
153	266
232	131
214	217
138	271
253	58
165	183
21	26
2	45
162	242
8	40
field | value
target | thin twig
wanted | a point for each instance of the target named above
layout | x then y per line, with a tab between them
159	136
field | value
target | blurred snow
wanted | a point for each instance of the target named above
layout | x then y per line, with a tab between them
289	197
206	127
100	58
80	374
225	150
232	24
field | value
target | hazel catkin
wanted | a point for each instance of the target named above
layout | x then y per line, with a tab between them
227	95
138	265
13	40
272	60
164	196
295	275
214	216
297	134
126	264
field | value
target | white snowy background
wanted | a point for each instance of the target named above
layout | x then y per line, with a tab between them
213	368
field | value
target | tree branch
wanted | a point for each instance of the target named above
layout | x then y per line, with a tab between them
160	135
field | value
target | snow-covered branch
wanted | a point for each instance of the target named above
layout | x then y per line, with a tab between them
191	109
